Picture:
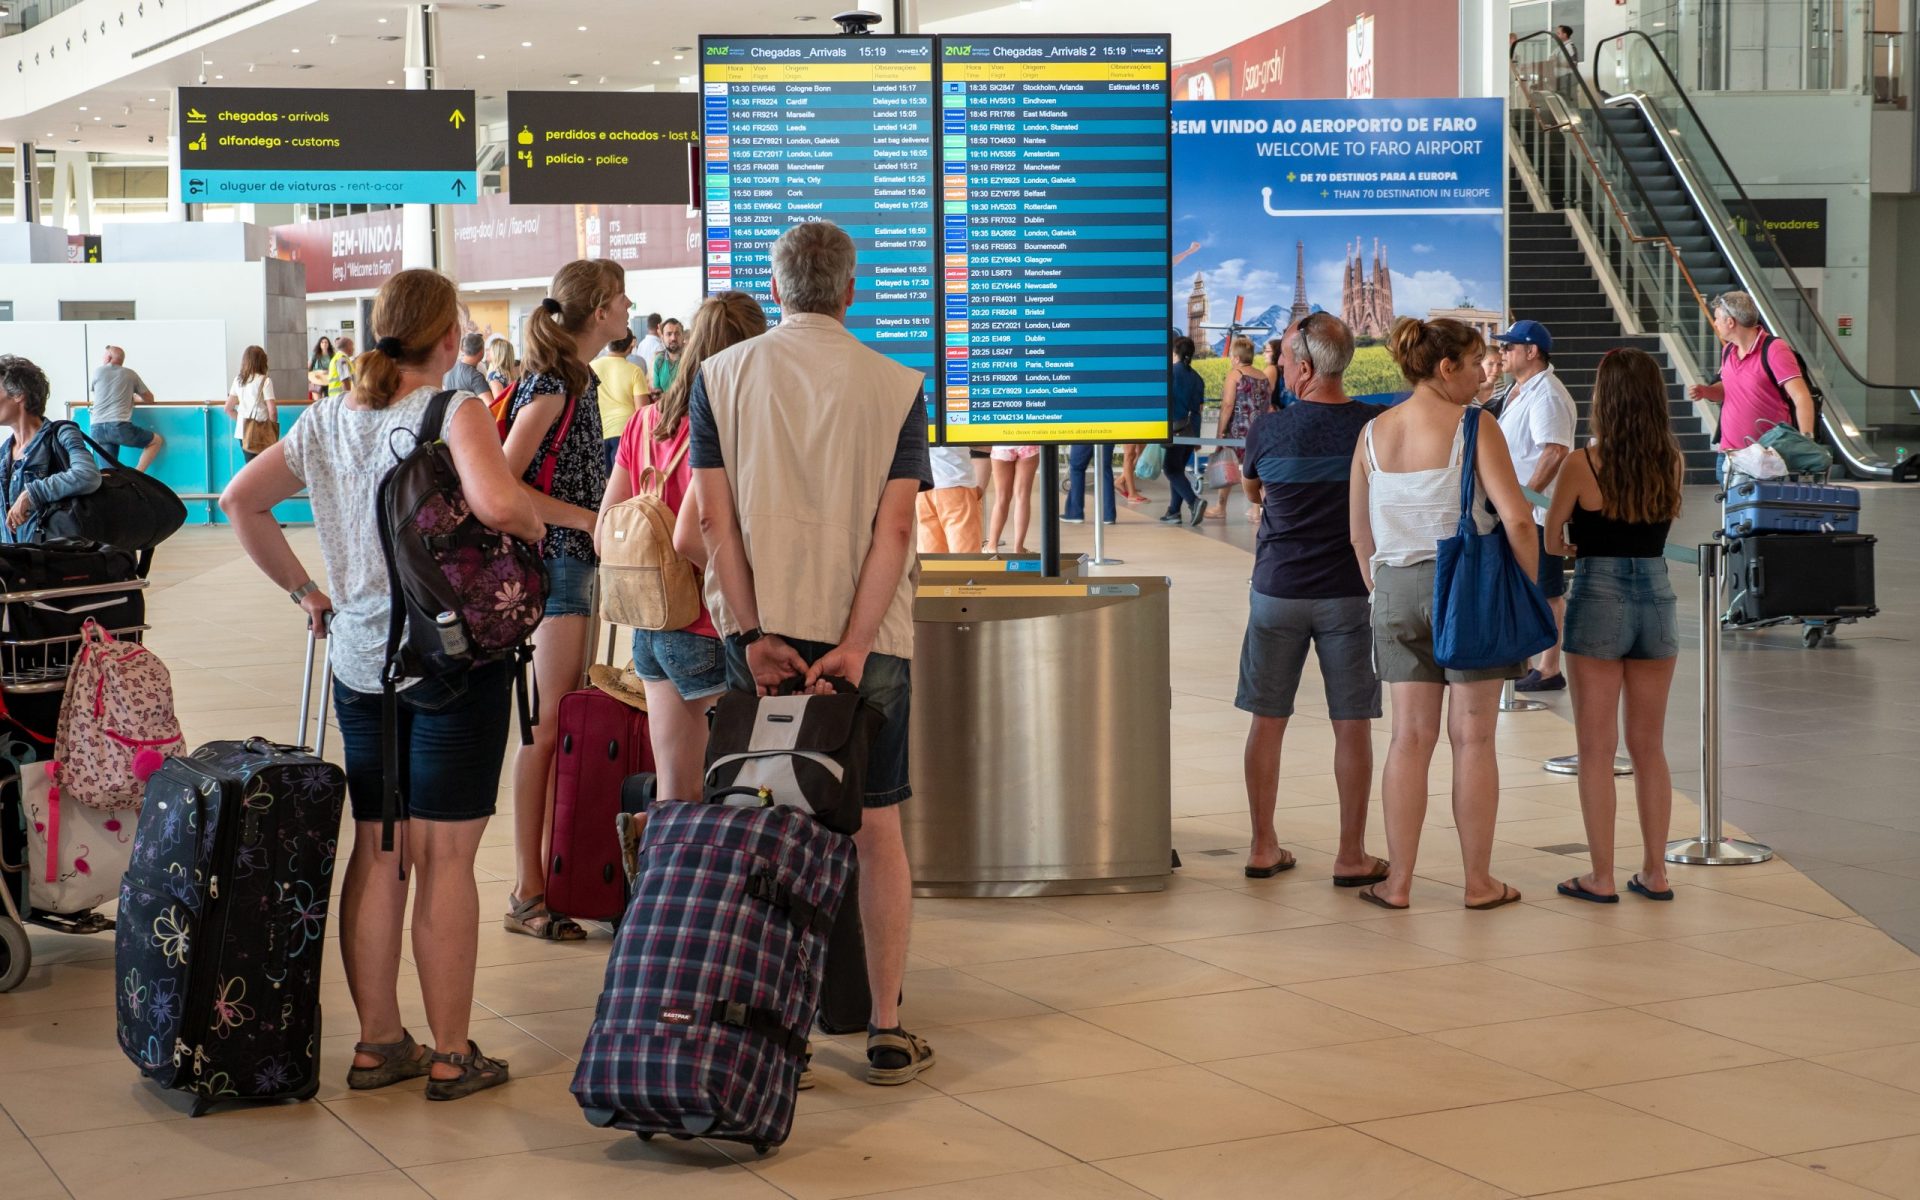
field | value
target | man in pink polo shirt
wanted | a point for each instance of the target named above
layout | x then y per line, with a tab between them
1761	384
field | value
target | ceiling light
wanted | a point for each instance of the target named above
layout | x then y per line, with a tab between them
96	118
573	83
656	62
83	108
153	100
526	45
389	83
383	20
296	49
583	29
678	57
480	56
219	76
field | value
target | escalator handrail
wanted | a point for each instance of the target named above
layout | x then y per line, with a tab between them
1593	99
1606	185
1827	334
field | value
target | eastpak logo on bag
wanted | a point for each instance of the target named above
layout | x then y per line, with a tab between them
675	1016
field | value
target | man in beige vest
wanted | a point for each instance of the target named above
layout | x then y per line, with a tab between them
808	452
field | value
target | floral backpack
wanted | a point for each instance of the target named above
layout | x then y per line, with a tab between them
463	595
116	722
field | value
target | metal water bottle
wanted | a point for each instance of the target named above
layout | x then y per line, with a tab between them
453	642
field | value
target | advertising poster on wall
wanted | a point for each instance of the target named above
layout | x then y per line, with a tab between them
1392	49
1369	209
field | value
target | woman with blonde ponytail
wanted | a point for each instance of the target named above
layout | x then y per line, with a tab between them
453	734
554	445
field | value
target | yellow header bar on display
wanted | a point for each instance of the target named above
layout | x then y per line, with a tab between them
1015	72
878	72
1057	432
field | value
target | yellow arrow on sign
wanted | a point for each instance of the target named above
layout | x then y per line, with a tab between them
458	118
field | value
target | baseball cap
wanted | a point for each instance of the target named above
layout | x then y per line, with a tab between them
1527	333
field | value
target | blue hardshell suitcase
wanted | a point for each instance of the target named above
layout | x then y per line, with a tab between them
1778	506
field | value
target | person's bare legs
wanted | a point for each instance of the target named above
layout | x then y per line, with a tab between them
559	655
886	908
1261	765
1002	500
1219	510
446	928
1549	660
1595	686
1472	711
373	906
1403	788
1649	682
1353	777
150	452
1023	472
1129	485
678	730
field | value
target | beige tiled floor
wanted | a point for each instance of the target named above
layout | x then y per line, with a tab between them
1225	1038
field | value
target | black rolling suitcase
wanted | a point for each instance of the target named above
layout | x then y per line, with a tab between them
846	999
1775	577
223	917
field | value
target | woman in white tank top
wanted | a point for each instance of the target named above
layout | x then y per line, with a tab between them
1405	499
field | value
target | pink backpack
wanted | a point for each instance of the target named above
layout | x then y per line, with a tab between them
116	722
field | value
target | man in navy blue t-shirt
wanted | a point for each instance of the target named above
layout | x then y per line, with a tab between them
1307	589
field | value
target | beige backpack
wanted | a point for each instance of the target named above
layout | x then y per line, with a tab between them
644	583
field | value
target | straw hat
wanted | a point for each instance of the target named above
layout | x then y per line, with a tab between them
620	683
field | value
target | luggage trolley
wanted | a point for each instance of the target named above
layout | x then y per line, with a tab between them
1795	555
34	671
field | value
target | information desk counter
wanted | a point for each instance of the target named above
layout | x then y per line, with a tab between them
201	454
1041	764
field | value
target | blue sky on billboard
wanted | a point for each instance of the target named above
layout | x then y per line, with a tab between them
1422	179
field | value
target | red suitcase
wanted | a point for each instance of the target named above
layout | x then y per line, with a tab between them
602	741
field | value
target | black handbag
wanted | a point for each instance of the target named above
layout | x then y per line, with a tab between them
130	510
802	751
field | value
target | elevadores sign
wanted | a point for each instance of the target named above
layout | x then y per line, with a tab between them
603	147
325	146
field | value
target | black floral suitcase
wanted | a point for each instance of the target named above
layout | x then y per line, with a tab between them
222	921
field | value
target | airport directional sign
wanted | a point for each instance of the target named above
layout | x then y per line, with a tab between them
326	145
602	147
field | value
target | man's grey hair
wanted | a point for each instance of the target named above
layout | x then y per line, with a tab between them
1739	306
812	265
1324	341
472	344
116	355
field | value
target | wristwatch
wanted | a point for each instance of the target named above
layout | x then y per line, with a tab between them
749	636
303	591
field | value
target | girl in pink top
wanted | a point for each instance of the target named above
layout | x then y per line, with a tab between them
682	669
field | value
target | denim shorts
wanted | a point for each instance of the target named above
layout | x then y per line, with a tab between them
453	738
694	663
569	587
1275	652
1622	608
122	433
888	685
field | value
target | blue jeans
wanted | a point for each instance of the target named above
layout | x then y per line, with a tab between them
1077	463
1177	481
1622	608
693	662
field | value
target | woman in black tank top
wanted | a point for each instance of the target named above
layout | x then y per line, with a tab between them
1613	504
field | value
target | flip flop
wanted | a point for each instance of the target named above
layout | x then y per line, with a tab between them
1510	896
1268	872
1373	898
1380	868
1572	888
1634	885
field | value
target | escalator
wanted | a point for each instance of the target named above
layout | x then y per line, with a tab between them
1658	151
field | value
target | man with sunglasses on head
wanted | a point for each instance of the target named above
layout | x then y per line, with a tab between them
1538	419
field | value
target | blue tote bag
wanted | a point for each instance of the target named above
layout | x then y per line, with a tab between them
1486	612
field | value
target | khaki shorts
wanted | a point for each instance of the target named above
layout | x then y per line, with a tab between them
1403	631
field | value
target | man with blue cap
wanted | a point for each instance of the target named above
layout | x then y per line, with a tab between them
1538	420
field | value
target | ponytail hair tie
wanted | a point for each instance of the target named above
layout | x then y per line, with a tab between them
551	305
392	347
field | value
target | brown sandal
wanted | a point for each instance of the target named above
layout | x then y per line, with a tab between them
477	1074
522	916
896	1044
399	1062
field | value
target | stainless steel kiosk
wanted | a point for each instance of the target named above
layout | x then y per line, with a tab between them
1041	763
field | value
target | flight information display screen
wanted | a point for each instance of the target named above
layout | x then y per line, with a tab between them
827	128
1057	274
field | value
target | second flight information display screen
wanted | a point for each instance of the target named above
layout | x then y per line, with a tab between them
1056	218
838	129
1008	198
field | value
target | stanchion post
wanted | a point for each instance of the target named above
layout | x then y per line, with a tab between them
1097	501
1049	512
1712	848
1511	702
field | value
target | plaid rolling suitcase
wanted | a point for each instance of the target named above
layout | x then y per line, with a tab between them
701	1028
